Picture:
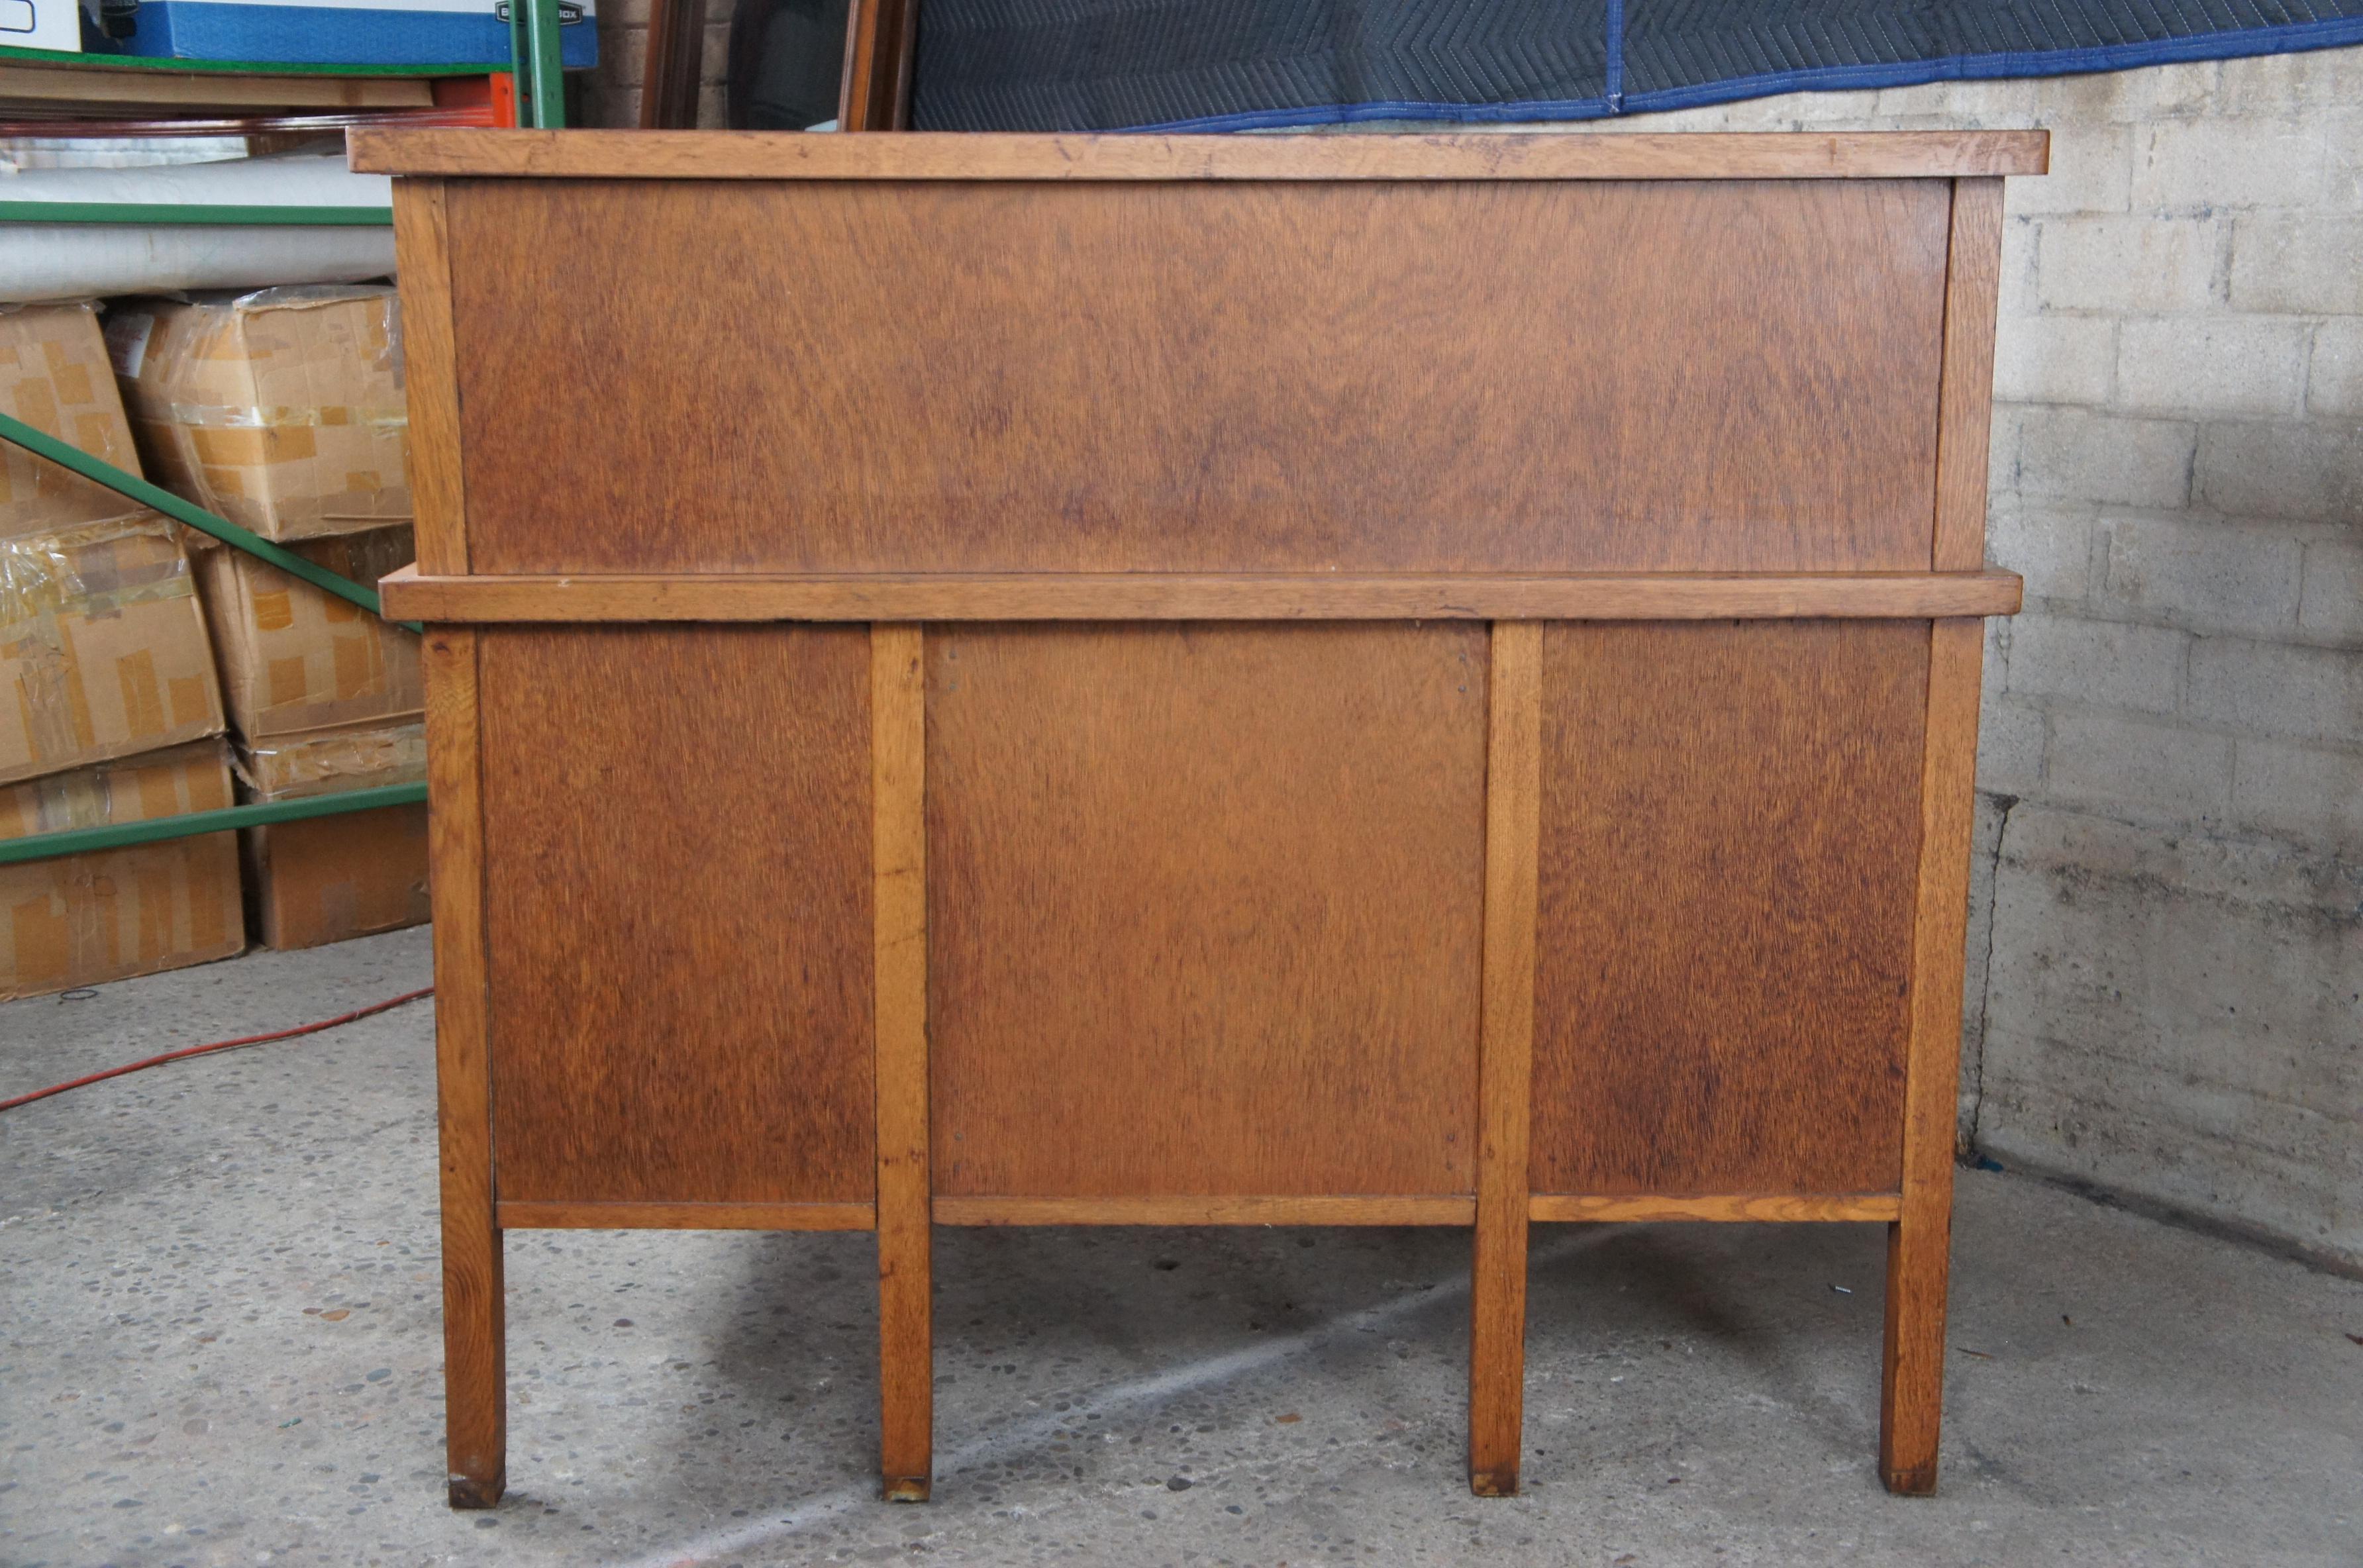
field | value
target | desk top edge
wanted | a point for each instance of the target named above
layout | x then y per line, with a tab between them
1133	156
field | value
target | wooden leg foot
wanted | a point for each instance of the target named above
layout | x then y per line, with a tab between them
1911	1386
1494	1483
907	1488
471	1492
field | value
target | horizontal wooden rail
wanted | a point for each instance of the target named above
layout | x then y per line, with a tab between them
968	155
1776	1206
1443	1208
1161	597
539	1215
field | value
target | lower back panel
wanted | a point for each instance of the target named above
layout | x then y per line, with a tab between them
1730	833
677	859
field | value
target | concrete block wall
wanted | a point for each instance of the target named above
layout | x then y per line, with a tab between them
2165	968
2165	964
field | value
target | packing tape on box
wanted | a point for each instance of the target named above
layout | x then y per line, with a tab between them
205	417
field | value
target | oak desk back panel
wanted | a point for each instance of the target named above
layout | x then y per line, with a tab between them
1389	681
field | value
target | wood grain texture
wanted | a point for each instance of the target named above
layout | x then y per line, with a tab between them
1730	831
1497	1339
932	155
1724	1206
1251	378
423	261
1965	399
475	1367
1205	908
898	744
676	823
874	93
686	1216
408	595
1919	1246
1340	1208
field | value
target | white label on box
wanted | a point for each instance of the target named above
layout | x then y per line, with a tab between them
128	332
41	24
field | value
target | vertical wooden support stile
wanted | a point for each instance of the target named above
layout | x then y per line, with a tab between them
1919	1243
898	797
475	1374
1911	1386
1497	1338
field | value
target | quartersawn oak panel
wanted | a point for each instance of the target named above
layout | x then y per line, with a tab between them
678	892
1730	836
1202	377
1205	908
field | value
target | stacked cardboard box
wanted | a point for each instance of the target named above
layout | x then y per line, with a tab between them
282	410
108	679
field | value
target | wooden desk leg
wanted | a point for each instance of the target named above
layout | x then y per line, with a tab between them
1911	1386
475	1372
1497	1338
898	794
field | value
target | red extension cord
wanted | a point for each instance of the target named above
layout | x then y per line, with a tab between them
357	1013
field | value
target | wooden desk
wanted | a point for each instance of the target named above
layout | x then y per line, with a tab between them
991	680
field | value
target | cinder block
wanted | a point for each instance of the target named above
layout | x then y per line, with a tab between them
2106	663
2296	472
2056	358
2298	263
2009	746
2330	601
2267	688
2131	263
2131	97
2309	793
2212	163
2092	172
2190	957
2207	576
2277	83
2342	151
2051	546
2098	456
2335	384
2220	364
2178	773
2017	295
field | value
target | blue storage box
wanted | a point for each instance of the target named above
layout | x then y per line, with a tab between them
336	32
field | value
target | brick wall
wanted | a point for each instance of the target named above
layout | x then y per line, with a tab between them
2165	986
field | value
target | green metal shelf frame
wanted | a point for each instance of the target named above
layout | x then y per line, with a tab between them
154	214
119	836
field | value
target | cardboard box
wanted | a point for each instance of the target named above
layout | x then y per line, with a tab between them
103	646
295	658
282	410
54	375
329	879
85	918
383	32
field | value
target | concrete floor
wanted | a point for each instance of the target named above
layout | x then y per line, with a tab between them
219	1344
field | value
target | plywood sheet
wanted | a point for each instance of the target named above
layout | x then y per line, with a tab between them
1730	833
1204	908
678	916
1221	376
